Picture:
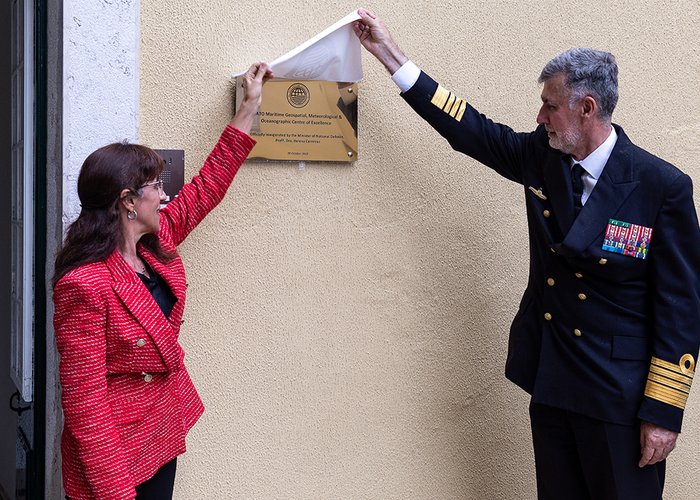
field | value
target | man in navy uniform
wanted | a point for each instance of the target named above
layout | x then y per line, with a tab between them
607	333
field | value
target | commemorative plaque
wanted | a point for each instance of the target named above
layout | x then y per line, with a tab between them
305	120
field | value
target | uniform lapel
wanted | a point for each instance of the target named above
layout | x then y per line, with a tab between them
614	186
557	178
139	302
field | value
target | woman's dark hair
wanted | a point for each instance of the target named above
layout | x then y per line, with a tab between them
96	233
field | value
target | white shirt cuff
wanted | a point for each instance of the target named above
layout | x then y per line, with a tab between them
406	76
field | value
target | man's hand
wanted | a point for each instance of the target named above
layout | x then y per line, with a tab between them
656	442
375	37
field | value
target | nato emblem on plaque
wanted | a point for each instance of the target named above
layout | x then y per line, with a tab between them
627	239
298	95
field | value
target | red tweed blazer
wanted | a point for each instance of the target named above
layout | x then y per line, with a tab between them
127	398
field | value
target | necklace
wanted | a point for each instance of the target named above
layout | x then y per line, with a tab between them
139	267
143	269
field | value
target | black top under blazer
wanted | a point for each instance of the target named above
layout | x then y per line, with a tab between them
602	334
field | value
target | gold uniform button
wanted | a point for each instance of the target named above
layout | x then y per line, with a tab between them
577	332
140	343
579	275
147	377
550	281
546	213
548	316
602	262
582	296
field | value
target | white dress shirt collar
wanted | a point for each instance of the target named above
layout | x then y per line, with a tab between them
594	163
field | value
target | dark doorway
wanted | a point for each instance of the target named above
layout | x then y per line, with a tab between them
8	418
23	49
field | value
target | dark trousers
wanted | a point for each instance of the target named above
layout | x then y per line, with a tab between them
579	457
160	486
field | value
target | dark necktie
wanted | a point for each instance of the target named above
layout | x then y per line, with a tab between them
577	186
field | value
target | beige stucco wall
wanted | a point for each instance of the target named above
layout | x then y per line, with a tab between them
346	325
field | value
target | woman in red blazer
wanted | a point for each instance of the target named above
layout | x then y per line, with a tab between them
119	294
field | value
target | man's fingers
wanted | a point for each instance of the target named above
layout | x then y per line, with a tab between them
652	455
367	16
647	455
667	451
369	13
357	27
656	443
362	31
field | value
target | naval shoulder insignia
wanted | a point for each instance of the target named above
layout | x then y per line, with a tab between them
538	192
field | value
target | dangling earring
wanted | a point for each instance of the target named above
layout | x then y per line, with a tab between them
131	215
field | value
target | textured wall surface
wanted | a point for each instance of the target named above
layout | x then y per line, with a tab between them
347	324
100	83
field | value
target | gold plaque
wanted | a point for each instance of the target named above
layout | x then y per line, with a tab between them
309	120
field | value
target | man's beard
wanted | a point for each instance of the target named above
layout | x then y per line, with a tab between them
567	140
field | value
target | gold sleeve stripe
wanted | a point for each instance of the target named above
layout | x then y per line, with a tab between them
462	109
670	375
676	368
457	105
665	395
440	97
670	382
450	102
681	387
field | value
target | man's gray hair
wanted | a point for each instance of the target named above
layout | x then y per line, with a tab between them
586	72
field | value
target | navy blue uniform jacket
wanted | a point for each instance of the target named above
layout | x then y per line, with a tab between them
599	333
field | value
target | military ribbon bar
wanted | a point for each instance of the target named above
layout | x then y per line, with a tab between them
627	239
